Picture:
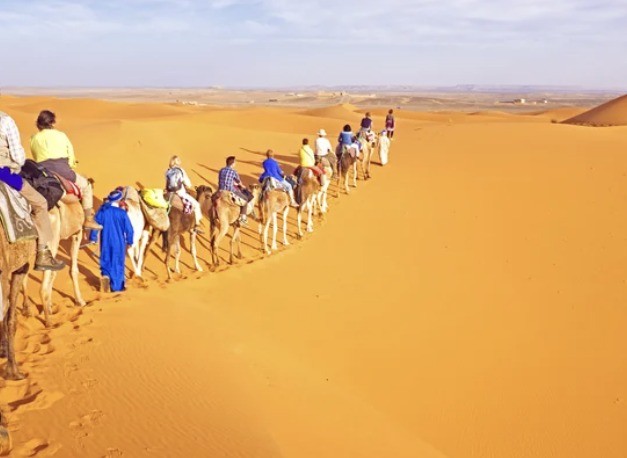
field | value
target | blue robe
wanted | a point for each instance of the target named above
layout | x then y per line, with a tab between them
116	234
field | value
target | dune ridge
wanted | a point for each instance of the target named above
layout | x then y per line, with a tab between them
612	113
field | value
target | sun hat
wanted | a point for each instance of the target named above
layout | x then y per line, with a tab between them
322	133
115	196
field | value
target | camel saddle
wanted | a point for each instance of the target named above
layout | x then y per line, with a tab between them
15	215
155	216
71	190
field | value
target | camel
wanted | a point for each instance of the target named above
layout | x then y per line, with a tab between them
67	223
180	223
141	230
272	203
307	193
368	146
346	163
222	214
15	261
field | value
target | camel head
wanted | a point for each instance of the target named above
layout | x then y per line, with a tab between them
203	192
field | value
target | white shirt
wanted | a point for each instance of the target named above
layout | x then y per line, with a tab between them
323	145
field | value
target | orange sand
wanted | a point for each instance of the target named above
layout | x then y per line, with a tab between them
468	301
612	113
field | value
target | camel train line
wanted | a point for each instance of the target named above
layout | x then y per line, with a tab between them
221	209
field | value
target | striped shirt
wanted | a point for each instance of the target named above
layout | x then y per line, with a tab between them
12	134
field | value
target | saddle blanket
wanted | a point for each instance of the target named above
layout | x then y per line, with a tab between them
15	215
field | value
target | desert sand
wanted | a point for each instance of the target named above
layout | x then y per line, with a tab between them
468	301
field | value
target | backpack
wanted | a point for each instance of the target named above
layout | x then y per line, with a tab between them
173	179
43	182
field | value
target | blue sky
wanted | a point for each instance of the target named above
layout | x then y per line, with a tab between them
257	43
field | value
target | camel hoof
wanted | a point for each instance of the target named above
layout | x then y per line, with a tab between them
275	247
286	243
268	251
48	324
26	313
309	230
13	374
199	269
80	303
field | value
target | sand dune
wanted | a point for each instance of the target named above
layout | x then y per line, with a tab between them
612	113
466	301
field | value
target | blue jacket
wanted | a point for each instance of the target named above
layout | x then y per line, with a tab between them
346	138
271	168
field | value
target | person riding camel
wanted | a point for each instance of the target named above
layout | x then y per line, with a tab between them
178	182
272	169
53	150
229	180
366	123
324	149
307	160
12	159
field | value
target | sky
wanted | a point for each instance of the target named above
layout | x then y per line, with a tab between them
296	43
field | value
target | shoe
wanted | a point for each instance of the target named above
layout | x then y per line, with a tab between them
294	204
45	261
90	223
243	220
198	231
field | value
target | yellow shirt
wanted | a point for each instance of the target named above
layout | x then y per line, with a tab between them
52	144
307	158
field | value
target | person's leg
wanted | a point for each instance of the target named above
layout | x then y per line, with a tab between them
39	208
87	202
290	191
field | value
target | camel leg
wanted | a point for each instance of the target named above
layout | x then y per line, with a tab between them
11	371
130	251
143	243
312	204
232	245
26	311
177	254
76	244
275	227
355	175
220	233
346	178
192	243
264	238
299	220
46	294
167	259
285	213
3	323
239	243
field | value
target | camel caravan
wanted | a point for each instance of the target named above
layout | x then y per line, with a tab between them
44	201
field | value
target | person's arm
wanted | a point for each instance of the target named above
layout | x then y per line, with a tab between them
236	178
13	138
71	158
99	219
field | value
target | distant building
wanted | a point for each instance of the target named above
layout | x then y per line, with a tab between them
520	101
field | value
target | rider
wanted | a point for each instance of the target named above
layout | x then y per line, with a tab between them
54	151
345	140
366	123
272	169
229	180
12	159
178	182
307	160
389	123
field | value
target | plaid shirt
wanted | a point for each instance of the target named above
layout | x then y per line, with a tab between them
9	128
227	179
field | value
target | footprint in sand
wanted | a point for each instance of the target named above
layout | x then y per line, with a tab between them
32	447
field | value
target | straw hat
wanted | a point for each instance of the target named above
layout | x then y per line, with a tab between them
322	133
